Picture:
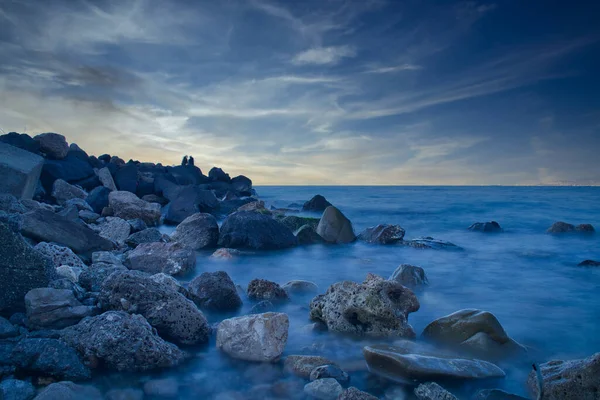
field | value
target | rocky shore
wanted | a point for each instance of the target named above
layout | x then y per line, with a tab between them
91	288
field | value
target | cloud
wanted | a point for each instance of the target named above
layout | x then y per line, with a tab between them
324	55
396	68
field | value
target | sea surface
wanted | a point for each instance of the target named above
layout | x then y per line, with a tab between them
527	278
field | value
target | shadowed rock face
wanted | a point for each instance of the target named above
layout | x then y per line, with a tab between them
198	231
253	230
20	171
53	308
487	227
334	227
317	203
382	234
215	291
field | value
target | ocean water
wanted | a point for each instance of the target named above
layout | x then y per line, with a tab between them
529	279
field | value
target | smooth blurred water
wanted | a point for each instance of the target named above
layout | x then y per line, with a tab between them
529	279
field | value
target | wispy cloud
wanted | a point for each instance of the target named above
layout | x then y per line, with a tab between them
324	55
392	69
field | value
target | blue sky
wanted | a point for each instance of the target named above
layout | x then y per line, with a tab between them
315	91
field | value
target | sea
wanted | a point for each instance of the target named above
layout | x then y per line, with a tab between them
527	278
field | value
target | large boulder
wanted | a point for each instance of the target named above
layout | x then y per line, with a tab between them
59	255
127	205
187	175
46	226
98	199
410	276
318	203
215	291
568	380
308	235
71	169
334	227
323	389
302	366
563	227
69	391
20	171
103	265
253	230
258	337
294	222
189	201
114	229
262	289
487	227
14	389
106	179
22	141
53	145
170	258
198	231
149	235
242	185
126	178
376	308
174	317
382	234
22	269
63	191
217	174
474	331
53	308
122	342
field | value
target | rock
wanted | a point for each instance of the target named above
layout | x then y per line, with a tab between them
13	389
334	227
217	174
395	364
255	231
63	191
106	178
487	227
152	198
496	394
261	289
22	268
382	234
568	380
353	393
190	200
163	388
12	205
53	145
149	235
70	213
170	258
101	268
302	366
46	226
69	391
126	178
59	255
433	391
98	199
330	371
170	282
22	141
475	331
7	329
323	389
137	225
198	231
122	342
308	235
255	206
258	337
227	207
410	276
127	206
124	394
318	203
49	357
65	284
70	169
376	308
430	243
242	185
68	272
563	227
114	229
79	203
262	307
20	171
214	291
294	222
589	263
300	287
226	254
167	310
89	217
53	308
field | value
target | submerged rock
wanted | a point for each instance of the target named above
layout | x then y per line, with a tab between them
323	389
410	276
330	371
198	231
318	203
334	227
589	263
226	254
262	289
382	234
300	287
127	205
353	393
262	307
14	389
496	394
433	391
258	337
170	258
563	227
308	235
162	388
376	308
302	366
255	231
69	391
215	291
53	308
430	243
487	227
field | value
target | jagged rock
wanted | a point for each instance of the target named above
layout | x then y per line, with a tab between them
308	235
242	185
49	357
22	141
114	229
70	169
98	199
188	201
258	337
217	174
103	265
568	380
255	206
410	276
487	227
318	203
589	263
563	227
124	394
255	231
66	284
214	291
69	272
302	366
474	331
198	231
53	145
53	308
106	179
63	191
382	234
330	371
152	198
22	268
170	258
20	171
89	217
496	394
59	255
137	225
14	389
170	282
79	203
69	391
430	243
323	389
149	235
261	289
122	342
334	227
353	393
376	307
227	207
12	205
433	391
127	205
173	316
300	287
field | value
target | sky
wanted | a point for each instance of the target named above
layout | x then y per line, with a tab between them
348	92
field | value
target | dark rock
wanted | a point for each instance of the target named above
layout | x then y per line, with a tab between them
69	391
7	329
261	289
430	243
227	207
89	217
22	141
487	227
353	393
170	258
496	394
70	213
71	169
190	200
318	203
198	231
101	268
214	291
255	231
20	171
13	221
323	389
433	391
67	284
53	145
13	389
302	366
98	199
59	255
410	276
242	185
382	234
145	185
137	225
11	204
330	371
217	174
89	183
126	178
187	175
308	235
294	222
150	235
563	227
53	308
152	198
334	227
589	263
127	206
79	203
256	206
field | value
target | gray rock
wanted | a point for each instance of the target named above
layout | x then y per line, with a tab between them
114	229
54	145
68	272
302	366
149	235
308	235
124	394
198	231
89	217
103	265
353	393
382	234
242	185
69	391
430	243
410	276
259	337
170	282
167	310
59	255
122	342
255	206
214	291
63	191
334	227
127	206
330	371
137	225
323	389
294	222
98	199
80	204
226	254
395	364
22	268
7	329
318	204
46	226
49	308
163	388
69	212
496	394
433	391
13	389
568	380
20	171
187	201
11	205
563	227
253	230
300	287
262	289
376	308
106	179
170	258
49	357
487	227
